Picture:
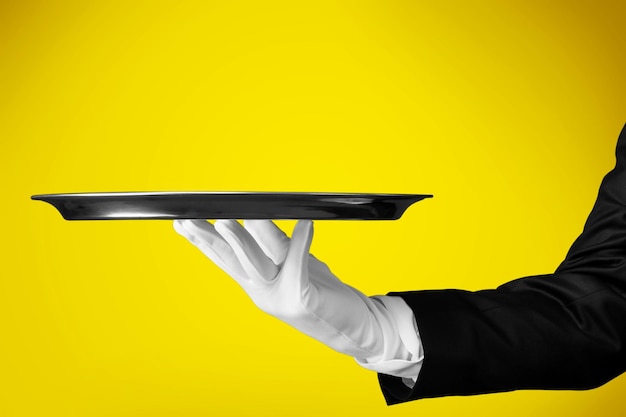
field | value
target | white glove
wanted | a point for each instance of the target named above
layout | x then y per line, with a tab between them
284	280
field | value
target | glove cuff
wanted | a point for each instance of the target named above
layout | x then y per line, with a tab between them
403	353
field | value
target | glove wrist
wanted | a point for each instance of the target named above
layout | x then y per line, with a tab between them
403	353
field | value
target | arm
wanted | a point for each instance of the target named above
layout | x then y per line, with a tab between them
566	330
561	331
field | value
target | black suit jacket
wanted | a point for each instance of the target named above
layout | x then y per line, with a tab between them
565	330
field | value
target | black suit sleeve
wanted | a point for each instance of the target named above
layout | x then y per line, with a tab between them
565	330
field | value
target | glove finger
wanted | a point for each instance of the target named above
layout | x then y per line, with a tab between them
257	265
202	234
273	241
295	268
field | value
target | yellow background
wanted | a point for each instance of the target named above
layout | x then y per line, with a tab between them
507	112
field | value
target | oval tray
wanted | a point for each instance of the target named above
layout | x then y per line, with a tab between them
230	205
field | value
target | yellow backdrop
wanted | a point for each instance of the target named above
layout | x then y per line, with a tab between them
507	112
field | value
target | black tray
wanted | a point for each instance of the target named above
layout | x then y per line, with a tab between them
230	205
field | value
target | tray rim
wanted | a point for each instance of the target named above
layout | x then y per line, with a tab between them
243	193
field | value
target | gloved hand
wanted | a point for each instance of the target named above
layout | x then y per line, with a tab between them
284	280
